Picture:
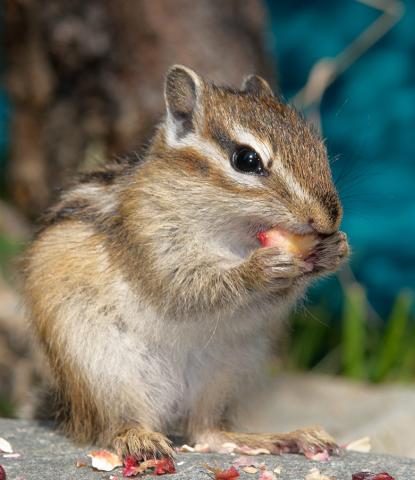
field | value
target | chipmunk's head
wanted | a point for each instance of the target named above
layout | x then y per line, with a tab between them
248	156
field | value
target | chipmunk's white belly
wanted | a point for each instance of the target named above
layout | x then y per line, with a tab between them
167	365
177	364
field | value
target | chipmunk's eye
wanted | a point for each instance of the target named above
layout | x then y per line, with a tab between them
246	160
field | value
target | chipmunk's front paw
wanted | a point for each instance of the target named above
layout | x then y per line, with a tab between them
330	253
275	268
142	444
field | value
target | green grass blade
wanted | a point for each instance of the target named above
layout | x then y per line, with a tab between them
6	408
406	370
354	332
392	346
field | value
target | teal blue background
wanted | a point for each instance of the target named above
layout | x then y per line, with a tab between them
4	106
368	119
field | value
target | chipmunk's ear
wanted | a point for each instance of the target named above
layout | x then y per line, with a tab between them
181	92
257	85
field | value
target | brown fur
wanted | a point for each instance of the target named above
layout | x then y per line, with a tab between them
75	406
168	245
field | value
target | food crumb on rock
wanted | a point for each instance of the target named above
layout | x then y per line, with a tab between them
228	474
155	466
5	446
372	476
267	475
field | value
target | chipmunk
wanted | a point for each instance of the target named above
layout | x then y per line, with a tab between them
148	288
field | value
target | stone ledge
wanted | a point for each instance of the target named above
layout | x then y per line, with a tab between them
46	455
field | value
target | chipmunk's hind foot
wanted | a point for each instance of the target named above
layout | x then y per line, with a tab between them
308	441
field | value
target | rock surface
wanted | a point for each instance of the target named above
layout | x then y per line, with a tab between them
46	455
347	410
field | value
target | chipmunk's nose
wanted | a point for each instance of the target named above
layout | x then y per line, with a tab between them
325	213
324	223
321	229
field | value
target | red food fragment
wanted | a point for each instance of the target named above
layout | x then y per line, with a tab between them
262	237
157	466
229	474
372	476
2	473
130	466
163	466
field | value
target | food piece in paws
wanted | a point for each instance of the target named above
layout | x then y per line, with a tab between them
298	245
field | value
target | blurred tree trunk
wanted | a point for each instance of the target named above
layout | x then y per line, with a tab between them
86	76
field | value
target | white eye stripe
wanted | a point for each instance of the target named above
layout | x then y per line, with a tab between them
207	148
263	148
292	183
265	151
244	137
